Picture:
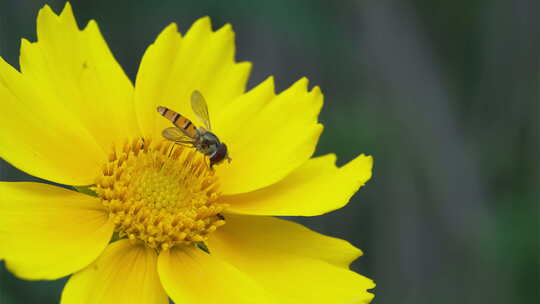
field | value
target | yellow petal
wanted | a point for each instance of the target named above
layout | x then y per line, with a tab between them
78	71
124	273
297	265
43	141
268	232
190	275
69	104
315	188
268	136
174	66
47	232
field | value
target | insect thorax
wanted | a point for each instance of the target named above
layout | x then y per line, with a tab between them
207	142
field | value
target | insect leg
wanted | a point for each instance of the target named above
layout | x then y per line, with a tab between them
171	150
202	246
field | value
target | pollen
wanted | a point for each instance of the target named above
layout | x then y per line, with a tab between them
160	193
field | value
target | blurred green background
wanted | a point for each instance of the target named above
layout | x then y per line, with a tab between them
444	95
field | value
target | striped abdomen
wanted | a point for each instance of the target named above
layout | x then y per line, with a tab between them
179	121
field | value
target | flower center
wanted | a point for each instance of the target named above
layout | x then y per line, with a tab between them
160	193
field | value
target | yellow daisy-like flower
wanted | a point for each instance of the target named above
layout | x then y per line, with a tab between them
160	222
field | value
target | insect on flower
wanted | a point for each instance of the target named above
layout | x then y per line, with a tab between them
160	225
186	133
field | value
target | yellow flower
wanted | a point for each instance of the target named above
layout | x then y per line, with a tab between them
71	116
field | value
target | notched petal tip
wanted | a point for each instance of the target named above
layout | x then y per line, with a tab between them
92	25
303	84
243	67
47	14
169	29
169	34
267	88
46	10
226	28
300	84
68	9
365	164
67	14
270	81
203	24
25	43
316	90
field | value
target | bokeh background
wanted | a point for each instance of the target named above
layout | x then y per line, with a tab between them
443	94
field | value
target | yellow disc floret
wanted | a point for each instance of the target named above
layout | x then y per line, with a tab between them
161	194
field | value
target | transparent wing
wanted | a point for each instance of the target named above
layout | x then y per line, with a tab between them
175	134
198	104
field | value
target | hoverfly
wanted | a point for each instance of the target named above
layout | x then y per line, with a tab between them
185	133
